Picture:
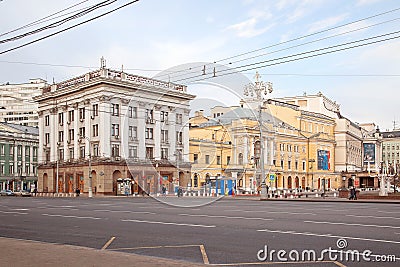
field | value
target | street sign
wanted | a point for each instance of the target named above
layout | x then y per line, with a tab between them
272	177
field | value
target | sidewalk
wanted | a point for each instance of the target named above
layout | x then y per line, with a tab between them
16	252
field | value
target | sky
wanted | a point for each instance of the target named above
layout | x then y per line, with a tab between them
175	39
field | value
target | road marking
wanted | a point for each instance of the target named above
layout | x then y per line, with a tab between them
328	235
171	223
108	243
382	211
172	246
14	212
226	217
339	264
282	212
355	224
71	216
204	254
21	209
369	216
127	211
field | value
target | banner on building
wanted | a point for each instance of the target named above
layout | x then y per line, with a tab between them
369	153
323	159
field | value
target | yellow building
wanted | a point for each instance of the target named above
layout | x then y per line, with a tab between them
298	148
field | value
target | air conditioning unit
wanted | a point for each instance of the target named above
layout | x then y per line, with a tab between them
81	120
61	123
116	136
92	117
68	141
117	158
68	122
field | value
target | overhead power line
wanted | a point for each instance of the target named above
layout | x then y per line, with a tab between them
60	22
291	40
66	29
286	59
42	19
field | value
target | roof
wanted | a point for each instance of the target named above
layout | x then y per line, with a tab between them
243	113
19	128
392	134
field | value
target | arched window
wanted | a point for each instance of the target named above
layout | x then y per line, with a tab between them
240	159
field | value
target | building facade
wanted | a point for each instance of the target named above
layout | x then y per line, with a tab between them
119	132
18	157
16	102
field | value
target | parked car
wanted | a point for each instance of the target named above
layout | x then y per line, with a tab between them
23	193
6	193
391	189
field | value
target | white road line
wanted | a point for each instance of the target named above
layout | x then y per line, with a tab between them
355	224
204	254
328	235
226	217
171	223
21	209
279	212
375	217
71	216
14	212
127	211
382	211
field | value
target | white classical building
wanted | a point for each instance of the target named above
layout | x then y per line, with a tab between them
16	102
127	132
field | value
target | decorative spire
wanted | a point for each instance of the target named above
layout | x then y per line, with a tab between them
102	63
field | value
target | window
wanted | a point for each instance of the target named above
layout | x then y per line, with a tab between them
133	151
179	138
71	134
164	136
289	165
82	152
2	169
240	159
82	132
70	115
95	130
207	159
11	168
195	158
219	160
71	153
35	152
115	150
164	153
61	154
61	118
27	152
132	112
115	130
304	165
296	165
274	162
27	169
47	138
149	153
164	116
2	149
47	120
95	110
11	151
132	132
96	150
149	133
115	109
61	136
149	115
282	163
178	118
81	114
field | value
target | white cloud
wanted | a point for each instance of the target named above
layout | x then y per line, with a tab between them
367	2
251	27
326	23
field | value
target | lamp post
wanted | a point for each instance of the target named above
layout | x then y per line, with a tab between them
308	156
90	191
257	90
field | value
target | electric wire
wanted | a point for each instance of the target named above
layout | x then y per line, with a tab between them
60	22
42	19
66	29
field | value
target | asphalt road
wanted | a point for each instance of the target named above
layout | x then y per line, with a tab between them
224	232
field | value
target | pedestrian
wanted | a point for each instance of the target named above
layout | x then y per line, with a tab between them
352	193
164	190
77	191
180	192
35	191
